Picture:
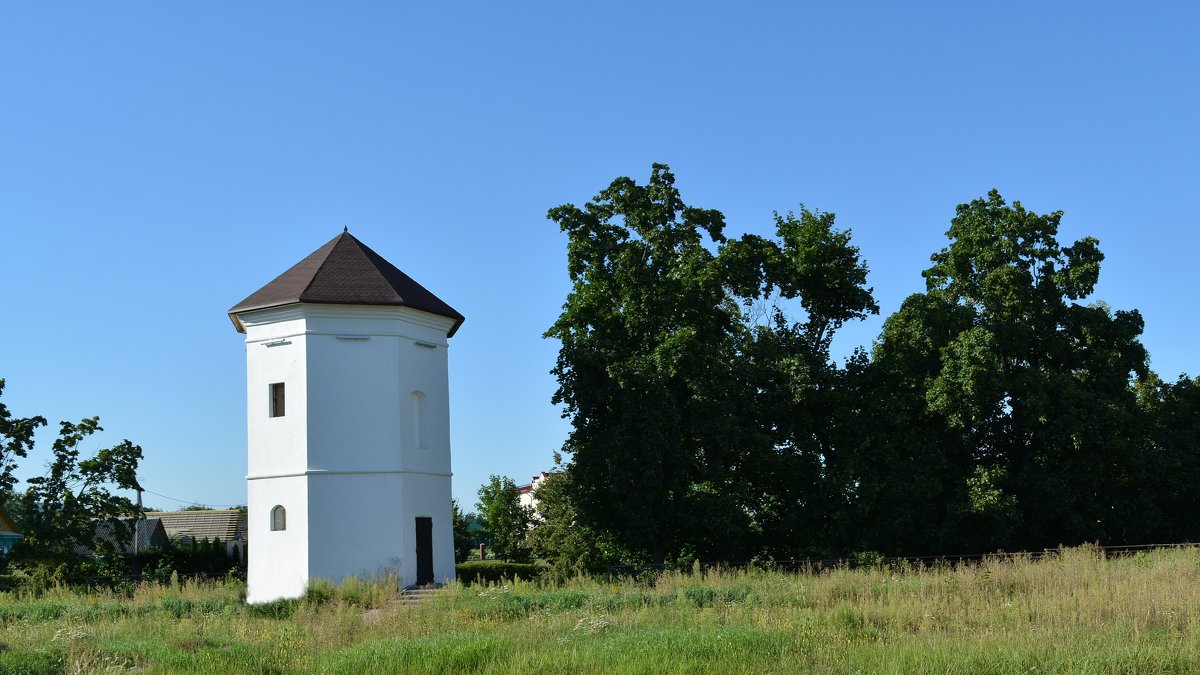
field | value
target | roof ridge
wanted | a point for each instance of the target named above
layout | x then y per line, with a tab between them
156	514
328	254
380	265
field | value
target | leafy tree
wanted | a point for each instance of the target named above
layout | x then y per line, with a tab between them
16	438
60	509
998	409
570	547
796	419
644	364
505	521
681	399
908	492
1022	397
462	531
1172	418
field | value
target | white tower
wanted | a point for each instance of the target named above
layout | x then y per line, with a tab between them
348	424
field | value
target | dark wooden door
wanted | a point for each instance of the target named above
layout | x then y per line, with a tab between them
424	551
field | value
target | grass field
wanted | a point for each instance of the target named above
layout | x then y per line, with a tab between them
1076	612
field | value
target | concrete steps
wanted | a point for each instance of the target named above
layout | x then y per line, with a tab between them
415	594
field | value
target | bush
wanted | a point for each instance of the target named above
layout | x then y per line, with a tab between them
276	609
32	662
200	559
489	571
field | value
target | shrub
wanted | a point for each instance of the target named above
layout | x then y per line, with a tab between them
9	582
276	609
31	662
490	571
319	592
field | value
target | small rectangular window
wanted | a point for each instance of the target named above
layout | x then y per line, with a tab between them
277	399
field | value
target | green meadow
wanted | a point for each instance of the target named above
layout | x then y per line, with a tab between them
1072	612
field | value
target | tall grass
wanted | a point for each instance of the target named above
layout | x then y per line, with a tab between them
1072	612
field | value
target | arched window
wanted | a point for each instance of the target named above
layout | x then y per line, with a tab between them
420	423
278	519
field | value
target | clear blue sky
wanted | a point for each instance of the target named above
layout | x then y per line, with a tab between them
160	161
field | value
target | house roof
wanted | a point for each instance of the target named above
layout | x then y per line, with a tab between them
150	533
226	524
6	524
345	271
534	483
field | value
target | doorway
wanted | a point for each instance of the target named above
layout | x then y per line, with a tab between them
424	551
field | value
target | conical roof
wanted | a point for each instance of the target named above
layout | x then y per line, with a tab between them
345	271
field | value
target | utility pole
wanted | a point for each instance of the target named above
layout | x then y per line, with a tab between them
138	526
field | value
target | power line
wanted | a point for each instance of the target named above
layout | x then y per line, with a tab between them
186	501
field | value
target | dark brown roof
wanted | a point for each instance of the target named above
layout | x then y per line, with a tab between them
119	535
345	272
227	524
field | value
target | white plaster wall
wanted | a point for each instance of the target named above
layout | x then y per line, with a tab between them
354	402
276	353
278	561
424	369
346	451
364	525
429	496
364	363
375	320
359	528
361	421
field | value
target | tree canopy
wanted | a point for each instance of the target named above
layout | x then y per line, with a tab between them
1026	395
63	513
504	520
661	367
16	439
1000	408
59	510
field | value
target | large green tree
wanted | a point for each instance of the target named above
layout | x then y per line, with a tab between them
673	341
1172	421
645	362
1021	397
798	289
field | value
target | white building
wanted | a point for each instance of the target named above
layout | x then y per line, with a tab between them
348	424
527	498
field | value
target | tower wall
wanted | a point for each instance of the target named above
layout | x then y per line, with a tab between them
357	523
277	562
363	450
422	497
354	401
275	352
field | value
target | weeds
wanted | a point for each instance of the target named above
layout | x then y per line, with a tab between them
1075	611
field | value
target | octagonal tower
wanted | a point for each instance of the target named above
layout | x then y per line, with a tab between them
348	424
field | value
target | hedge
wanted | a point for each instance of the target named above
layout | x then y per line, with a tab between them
487	571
